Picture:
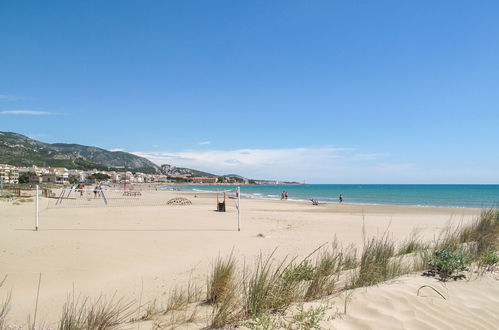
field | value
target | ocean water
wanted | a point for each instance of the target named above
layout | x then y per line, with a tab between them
481	196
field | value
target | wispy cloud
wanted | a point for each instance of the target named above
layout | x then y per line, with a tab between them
4	97
319	164
117	149
203	143
24	112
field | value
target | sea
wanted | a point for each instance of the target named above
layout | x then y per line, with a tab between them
457	195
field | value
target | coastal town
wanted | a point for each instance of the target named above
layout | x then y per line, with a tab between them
10	174
59	175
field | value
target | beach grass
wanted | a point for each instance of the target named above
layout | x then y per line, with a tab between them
275	285
222	279
271	285
179	298
82	313
228	307
4	306
223	292
376	264
325	274
412	245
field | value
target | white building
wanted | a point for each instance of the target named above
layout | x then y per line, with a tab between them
9	174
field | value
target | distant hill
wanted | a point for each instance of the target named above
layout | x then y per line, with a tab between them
19	150
176	171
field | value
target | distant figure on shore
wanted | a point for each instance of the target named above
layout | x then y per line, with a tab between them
314	201
80	188
97	191
341	198
285	195
282	195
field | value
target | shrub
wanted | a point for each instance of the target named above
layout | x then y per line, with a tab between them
304	271
488	260
445	263
308	319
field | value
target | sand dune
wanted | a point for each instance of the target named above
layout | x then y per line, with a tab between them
469	304
115	249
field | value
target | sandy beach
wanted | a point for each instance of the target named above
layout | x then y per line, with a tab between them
129	250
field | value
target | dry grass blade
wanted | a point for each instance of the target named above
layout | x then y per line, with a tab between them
271	288
375	263
411	245
4	305
176	319
80	313
429	286
329	263
224	292
221	279
228	307
180	298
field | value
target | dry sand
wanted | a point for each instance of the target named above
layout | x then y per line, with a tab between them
115	249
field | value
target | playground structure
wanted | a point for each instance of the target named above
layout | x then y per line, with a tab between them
98	191
77	196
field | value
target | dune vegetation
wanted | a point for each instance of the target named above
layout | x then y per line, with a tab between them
250	294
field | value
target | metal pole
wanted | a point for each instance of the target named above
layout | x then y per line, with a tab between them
124	182
36	214
238	208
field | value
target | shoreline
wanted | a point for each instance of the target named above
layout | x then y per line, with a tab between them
322	202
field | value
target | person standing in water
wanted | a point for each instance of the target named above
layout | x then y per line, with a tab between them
341	198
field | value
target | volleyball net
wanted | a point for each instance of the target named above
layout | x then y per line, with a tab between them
101	196
67	197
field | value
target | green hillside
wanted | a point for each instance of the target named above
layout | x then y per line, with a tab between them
19	150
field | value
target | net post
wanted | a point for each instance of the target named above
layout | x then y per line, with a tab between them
36	209
238	208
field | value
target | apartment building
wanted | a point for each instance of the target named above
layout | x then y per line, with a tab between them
9	174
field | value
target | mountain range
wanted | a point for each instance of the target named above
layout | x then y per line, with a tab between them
20	150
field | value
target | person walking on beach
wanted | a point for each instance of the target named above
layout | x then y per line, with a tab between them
286	195
341	198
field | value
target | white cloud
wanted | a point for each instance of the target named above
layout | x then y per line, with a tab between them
24	112
4	97
203	143
318	164
117	149
322	165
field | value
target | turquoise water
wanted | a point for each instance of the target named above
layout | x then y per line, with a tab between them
482	196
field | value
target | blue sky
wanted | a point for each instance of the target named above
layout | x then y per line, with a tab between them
322	91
